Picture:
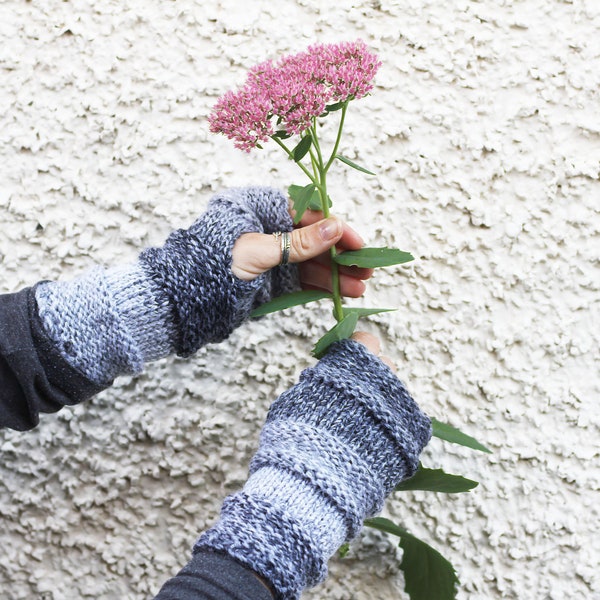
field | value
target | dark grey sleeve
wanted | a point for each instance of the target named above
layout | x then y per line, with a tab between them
212	576
34	378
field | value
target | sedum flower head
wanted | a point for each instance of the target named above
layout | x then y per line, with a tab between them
287	94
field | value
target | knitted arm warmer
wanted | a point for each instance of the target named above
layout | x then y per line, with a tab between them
333	447
173	299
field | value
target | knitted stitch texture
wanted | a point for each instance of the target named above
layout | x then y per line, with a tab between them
333	447
174	299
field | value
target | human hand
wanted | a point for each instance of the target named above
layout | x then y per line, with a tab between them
255	253
333	447
372	343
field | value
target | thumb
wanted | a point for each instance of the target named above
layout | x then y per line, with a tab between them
255	253
312	240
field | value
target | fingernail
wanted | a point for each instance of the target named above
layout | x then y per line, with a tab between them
330	228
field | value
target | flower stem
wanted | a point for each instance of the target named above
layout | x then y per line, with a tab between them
291	156
338	311
338	138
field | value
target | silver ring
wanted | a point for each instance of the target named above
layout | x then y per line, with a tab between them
286	244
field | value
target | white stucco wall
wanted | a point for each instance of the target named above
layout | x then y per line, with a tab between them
484	131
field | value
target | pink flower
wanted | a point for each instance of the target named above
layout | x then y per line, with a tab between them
293	91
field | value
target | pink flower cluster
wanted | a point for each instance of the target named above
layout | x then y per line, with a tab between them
292	91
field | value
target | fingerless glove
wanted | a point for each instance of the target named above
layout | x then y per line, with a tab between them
333	447
175	298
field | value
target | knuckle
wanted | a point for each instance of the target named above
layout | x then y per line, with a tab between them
301	242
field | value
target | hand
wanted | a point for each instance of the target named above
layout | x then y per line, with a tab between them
332	448
255	253
373	344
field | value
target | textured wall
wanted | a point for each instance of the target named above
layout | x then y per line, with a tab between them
484	131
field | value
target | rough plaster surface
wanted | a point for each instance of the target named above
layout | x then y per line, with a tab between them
484	131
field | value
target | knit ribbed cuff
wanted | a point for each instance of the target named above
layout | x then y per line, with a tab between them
267	539
333	447
84	320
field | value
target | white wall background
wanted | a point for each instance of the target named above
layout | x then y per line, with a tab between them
484	131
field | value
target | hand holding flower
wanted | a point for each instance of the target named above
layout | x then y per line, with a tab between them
255	253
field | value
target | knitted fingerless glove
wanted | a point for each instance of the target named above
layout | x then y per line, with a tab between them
173	299
333	447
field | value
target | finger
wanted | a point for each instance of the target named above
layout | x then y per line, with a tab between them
356	272
309	217
368	340
315	275
312	240
255	253
388	361
350	239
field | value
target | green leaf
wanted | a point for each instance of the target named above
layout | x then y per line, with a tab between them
352	164
365	312
373	257
436	480
299	152
302	197
334	107
451	434
287	300
385	525
344	329
282	134
315	202
427	574
343	550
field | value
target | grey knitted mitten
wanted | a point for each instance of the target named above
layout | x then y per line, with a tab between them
333	447
174	299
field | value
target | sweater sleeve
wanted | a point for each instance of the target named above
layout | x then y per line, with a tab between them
34	377
212	576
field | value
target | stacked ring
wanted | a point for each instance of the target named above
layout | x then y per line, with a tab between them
286	244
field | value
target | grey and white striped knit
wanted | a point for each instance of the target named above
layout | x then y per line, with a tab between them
173	299
333	447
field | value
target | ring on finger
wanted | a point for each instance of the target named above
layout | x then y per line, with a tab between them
285	240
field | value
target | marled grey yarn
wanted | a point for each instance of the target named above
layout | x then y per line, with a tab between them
333	447
193	268
174	299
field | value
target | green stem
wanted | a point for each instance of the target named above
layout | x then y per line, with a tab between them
338	311
315	138
338	138
291	156
319	179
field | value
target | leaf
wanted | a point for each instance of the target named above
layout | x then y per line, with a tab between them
365	312
342	330
427	574
343	550
287	300
315	203
352	164
282	134
334	107
451	434
436	480
299	152
373	257
385	525
302	197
